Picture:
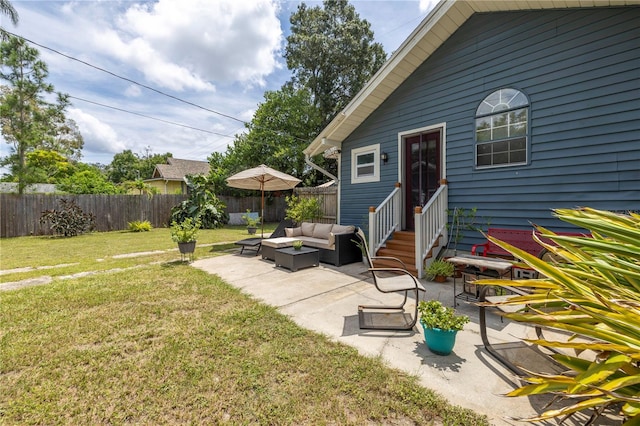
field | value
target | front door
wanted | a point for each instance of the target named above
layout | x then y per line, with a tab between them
421	171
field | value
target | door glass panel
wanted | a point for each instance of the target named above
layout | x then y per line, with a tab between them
422	171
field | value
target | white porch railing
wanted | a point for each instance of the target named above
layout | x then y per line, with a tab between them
430	224
385	219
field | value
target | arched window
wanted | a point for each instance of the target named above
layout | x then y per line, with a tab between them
502	130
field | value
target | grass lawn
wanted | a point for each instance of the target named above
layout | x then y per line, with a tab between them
164	343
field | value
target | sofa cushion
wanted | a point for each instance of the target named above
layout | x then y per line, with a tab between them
280	242
322	230
319	243
293	232
307	229
343	229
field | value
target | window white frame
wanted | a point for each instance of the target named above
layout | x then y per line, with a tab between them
365	164
502	130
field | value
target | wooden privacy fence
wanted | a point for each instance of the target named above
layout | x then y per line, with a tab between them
20	214
328	201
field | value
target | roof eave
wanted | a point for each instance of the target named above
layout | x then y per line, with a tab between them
445	18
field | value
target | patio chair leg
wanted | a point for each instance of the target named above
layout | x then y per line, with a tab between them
400	310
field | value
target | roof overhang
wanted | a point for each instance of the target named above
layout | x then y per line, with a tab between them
445	18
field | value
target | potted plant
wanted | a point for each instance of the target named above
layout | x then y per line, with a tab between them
297	245
463	219
252	221
439	270
440	324
184	233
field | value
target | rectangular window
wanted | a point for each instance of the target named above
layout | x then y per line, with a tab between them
507	152
501	139
365	164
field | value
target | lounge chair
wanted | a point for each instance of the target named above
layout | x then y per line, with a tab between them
255	243
389	280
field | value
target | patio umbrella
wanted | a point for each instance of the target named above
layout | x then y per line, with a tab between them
262	178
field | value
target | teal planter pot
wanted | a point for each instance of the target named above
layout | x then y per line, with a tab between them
440	342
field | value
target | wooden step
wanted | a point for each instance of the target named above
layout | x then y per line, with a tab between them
404	235
392	264
400	254
402	245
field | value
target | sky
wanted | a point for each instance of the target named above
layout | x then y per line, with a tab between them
137	69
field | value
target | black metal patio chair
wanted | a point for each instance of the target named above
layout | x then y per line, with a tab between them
389	280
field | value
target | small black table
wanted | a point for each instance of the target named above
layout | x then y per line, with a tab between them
293	259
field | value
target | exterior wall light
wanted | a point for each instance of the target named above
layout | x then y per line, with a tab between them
384	157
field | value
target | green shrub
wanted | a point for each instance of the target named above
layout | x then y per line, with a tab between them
140	226
303	209
592	290
434	315
202	205
440	267
185	231
69	221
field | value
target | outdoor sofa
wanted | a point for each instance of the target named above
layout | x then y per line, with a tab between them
336	243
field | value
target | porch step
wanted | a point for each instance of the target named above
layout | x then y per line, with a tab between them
402	246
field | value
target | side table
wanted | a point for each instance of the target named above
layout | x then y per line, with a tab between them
478	267
293	259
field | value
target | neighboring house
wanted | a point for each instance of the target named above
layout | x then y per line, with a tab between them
515	108
170	178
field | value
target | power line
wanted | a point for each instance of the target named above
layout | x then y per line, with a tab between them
149	117
280	133
128	79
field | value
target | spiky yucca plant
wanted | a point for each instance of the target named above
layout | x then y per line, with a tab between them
592	290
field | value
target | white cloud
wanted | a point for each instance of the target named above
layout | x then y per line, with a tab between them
427	5
98	137
192	46
180	44
133	91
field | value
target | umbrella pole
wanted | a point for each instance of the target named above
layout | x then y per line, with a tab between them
262	213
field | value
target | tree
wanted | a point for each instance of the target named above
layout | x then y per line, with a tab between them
148	164
66	140
280	129
129	166
141	186
49	166
27	120
7	9
332	52
125	166
87	180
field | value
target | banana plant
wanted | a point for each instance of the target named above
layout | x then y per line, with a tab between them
590	289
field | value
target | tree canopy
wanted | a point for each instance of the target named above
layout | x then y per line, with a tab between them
280	129
129	166
27	121
6	8
332	52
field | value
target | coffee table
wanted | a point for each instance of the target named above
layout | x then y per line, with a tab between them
293	259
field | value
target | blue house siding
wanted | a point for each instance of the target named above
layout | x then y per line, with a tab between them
580	71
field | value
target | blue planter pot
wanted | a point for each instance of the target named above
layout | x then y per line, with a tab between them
440	342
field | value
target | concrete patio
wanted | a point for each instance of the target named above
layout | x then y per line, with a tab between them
325	299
